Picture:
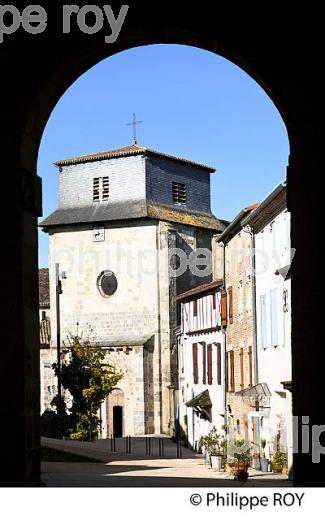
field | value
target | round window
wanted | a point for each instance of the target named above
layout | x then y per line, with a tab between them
107	283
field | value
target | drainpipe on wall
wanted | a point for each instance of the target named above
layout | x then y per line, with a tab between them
223	330
250	231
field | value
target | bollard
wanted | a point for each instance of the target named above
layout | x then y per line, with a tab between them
111	442
149	445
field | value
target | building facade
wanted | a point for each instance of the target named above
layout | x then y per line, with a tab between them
270	223
233	263
201	363
121	215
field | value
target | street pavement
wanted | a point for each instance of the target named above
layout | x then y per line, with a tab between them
136	469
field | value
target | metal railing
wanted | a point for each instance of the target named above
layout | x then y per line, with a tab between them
151	446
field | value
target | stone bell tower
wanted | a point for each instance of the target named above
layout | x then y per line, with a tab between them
120	214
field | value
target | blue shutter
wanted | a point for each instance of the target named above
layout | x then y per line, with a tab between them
274	317
263	321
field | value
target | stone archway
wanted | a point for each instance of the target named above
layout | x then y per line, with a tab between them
30	88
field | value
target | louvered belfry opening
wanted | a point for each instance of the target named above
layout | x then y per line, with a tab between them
179	193
96	189
100	189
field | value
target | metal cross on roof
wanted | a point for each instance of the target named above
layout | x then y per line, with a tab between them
134	124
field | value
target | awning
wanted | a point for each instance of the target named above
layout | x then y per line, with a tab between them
201	400
202	404
256	395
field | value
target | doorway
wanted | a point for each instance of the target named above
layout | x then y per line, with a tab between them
118	421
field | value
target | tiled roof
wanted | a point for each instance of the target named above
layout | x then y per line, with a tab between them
127	151
45	332
44	287
199	290
131	210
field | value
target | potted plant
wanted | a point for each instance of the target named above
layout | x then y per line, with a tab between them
216	449
205	444
241	459
256	461
280	461
264	460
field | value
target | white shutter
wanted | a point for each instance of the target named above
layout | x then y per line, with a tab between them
274	317
263	321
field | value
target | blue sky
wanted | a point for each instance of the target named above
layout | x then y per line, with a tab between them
193	104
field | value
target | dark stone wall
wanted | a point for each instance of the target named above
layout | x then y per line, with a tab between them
36	70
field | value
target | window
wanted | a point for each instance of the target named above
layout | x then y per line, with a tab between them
195	308
274	317
179	193
250	365
263	321
96	190
107	283
105	188
100	189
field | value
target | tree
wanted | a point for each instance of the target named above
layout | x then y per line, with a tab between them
89	381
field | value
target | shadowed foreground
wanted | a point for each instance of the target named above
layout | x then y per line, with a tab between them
138	470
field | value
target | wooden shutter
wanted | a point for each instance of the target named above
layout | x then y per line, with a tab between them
219	362
241	360
227	372
232	371
204	362
195	366
210	365
230	305
250	366
224	308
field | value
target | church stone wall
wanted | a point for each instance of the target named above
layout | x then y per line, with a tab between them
76	181
127	251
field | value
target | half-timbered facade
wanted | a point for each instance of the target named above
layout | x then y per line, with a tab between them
201	362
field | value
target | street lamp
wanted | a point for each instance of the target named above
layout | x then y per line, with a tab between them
58	286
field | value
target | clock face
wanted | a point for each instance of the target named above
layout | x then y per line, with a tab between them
99	234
